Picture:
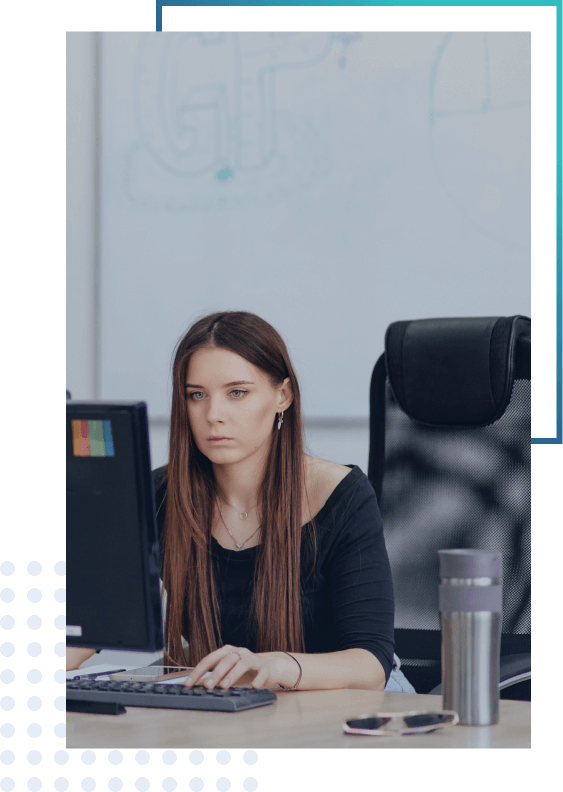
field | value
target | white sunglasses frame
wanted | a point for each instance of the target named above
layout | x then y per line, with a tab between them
384	731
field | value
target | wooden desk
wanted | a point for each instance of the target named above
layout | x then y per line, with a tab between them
307	719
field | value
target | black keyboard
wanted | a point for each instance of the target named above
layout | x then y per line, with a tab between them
83	695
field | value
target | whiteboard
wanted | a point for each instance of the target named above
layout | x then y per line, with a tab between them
330	182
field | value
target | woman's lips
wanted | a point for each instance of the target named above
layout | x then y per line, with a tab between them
218	439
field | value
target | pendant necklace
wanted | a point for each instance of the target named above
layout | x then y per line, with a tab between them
238	544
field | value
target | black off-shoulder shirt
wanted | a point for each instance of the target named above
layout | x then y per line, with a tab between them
347	601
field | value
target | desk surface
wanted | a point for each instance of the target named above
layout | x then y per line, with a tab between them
304	719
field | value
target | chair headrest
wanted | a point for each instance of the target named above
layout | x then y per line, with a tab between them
455	372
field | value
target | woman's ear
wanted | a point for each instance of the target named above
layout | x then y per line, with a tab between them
285	394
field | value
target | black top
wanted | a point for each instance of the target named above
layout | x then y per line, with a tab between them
348	600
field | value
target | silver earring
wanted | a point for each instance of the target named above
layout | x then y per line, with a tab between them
280	421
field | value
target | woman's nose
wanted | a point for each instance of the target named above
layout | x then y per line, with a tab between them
214	410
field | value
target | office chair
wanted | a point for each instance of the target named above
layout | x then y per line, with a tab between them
449	460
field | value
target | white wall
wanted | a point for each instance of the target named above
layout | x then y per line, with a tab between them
331	183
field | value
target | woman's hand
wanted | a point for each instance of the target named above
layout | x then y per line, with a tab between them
75	656
235	665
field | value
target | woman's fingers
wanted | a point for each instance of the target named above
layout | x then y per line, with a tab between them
219	664
226	669
205	664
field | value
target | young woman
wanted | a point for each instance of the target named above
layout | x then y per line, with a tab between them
274	562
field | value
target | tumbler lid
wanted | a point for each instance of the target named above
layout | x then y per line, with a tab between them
468	563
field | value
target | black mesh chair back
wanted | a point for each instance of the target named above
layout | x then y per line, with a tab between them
450	463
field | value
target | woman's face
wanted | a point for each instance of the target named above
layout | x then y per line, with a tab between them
232	406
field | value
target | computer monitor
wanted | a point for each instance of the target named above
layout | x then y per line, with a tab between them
113	591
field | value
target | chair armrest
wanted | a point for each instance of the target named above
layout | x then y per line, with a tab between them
513	669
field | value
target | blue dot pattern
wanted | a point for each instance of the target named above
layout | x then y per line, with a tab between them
32	675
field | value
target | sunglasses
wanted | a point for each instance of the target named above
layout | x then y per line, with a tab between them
395	723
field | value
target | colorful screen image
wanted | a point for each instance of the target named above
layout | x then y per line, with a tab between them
92	439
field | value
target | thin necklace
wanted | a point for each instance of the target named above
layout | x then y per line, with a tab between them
238	544
243	514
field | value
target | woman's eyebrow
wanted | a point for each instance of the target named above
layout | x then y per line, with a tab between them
228	385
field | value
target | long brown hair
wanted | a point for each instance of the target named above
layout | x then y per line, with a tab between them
192	603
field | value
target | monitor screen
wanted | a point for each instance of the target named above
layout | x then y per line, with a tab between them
113	592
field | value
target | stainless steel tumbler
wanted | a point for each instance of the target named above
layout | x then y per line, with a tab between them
471	618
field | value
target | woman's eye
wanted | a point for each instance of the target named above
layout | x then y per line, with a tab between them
238	393
196	393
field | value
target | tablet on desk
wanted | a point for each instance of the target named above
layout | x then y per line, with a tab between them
152	674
